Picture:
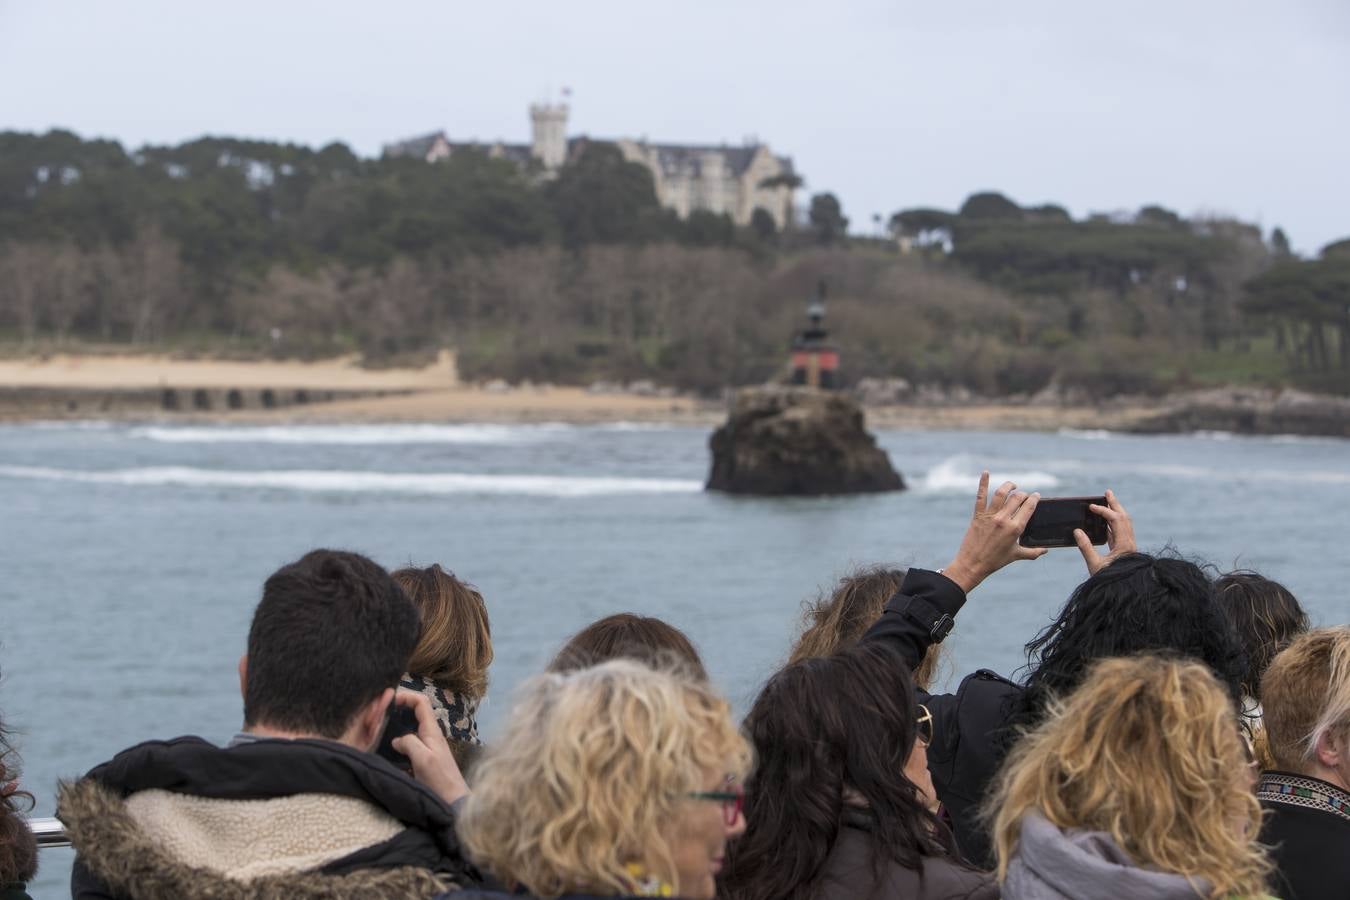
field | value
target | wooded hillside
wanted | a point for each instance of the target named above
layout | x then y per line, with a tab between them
249	248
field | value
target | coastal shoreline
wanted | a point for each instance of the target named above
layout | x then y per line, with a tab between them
165	389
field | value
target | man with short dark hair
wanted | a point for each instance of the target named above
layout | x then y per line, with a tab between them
296	804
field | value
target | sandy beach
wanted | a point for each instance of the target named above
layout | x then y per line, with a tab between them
79	386
122	372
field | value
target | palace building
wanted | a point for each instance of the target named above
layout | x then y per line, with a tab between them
688	177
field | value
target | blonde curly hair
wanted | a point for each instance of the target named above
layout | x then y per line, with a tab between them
1149	751
589	779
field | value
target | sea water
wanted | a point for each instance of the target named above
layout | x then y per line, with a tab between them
133	555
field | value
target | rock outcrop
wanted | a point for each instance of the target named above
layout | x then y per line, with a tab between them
797	441
1250	411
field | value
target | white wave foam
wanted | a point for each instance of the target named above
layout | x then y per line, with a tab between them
355	434
433	483
68	425
1087	434
959	474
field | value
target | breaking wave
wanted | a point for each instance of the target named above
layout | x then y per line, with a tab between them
960	474
306	480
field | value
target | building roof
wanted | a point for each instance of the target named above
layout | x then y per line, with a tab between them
417	146
679	158
520	154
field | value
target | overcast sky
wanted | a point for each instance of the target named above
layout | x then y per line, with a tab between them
1224	106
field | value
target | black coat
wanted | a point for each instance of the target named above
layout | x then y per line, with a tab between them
1310	840
115	859
964	756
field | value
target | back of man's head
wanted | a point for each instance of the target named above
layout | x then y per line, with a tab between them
1309	696
333	630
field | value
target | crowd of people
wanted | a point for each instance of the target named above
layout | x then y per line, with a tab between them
1174	735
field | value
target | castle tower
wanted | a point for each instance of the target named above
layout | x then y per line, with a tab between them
548	134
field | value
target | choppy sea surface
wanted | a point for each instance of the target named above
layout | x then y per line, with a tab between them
133	555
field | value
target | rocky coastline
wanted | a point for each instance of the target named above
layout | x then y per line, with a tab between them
158	388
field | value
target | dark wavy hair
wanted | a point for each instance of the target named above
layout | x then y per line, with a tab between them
18	848
819	726
1266	617
1138	603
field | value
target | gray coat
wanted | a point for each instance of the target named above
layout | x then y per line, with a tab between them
1050	864
849	875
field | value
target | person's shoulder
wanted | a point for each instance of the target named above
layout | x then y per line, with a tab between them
950	879
988	680
986	687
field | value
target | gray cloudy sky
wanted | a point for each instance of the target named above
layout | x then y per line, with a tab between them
1225	106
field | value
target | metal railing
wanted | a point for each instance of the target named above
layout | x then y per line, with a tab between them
49	832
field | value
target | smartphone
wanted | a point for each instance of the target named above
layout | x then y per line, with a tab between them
398	721
1055	518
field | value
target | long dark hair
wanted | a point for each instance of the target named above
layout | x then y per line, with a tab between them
1266	617
18	848
820	726
1138	603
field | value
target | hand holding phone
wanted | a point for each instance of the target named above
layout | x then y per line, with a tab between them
1056	522
1119	535
398	721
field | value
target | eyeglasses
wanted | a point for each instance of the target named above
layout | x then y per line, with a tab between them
732	800
924	724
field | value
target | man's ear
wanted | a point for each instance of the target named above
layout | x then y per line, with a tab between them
370	721
1331	748
243	675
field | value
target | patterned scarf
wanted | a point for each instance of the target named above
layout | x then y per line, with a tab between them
454	712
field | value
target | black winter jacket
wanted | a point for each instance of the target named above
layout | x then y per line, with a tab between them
164	820
1307	824
964	756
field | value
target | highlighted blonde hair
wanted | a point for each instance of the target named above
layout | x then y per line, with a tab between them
591	776
1148	750
1308	687
838	621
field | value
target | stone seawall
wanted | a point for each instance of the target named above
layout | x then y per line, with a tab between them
82	403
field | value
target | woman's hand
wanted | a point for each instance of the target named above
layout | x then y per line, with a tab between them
432	762
991	540
1119	535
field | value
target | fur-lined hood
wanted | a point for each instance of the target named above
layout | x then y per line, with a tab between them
152	825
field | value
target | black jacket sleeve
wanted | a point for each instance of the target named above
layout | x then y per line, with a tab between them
963	757
910	615
907	623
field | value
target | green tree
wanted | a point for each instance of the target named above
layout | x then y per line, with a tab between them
827	218
705	228
989	205
1279	244
602	198
1160	217
924	225
763	225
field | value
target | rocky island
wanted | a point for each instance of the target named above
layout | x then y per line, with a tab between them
798	441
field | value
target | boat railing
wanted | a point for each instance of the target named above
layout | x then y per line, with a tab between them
49	832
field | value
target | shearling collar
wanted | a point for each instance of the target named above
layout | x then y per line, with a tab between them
130	863
398	838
